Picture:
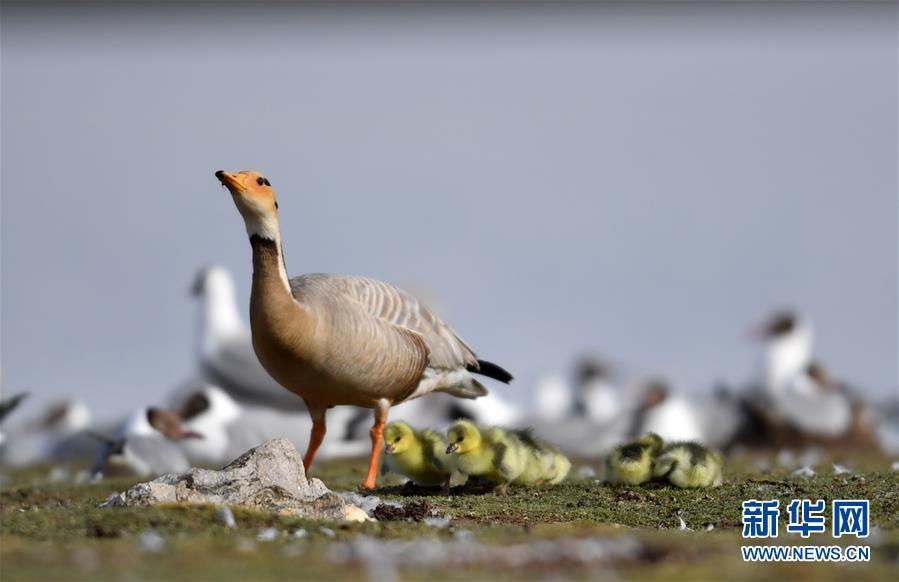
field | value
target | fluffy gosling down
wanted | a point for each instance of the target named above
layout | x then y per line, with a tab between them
633	463
504	457
690	465
545	463
419	455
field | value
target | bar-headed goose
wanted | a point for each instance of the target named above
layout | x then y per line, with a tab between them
335	339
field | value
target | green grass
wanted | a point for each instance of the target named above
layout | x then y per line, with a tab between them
56	531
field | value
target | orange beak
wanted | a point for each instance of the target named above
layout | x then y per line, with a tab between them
229	181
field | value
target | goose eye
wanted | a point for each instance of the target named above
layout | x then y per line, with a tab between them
260	180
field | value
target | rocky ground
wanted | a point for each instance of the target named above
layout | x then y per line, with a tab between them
54	529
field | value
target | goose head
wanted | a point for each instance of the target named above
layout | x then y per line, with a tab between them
255	200
464	437
398	438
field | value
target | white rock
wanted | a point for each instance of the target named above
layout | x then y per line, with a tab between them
269	477
353	513
367	503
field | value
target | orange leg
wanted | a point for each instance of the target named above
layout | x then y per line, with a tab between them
377	443
318	434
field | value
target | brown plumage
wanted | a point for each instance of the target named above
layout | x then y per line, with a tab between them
335	339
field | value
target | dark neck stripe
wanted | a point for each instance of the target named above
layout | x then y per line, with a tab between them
262	242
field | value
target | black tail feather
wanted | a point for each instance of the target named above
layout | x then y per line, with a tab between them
491	370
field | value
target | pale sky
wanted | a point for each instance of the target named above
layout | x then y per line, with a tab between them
642	180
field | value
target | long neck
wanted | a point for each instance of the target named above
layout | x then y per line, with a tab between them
273	311
269	271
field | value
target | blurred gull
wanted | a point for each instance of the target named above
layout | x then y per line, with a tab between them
552	398
788	345
813	405
230	429
489	409
209	412
147	445
581	437
226	354
35	440
597	398
669	415
723	417
442	410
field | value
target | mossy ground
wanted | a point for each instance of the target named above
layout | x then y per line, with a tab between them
54	531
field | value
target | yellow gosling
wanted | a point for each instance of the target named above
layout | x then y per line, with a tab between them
632	463
419	455
690	465
491	454
558	468
544	462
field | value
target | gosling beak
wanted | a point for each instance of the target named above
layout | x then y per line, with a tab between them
452	448
228	181
389	449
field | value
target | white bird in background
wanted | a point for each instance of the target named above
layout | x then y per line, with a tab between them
669	415
209	411
814	405
597	397
230	429
788	346
553	399
490	409
722	418
226	354
35	440
146	446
